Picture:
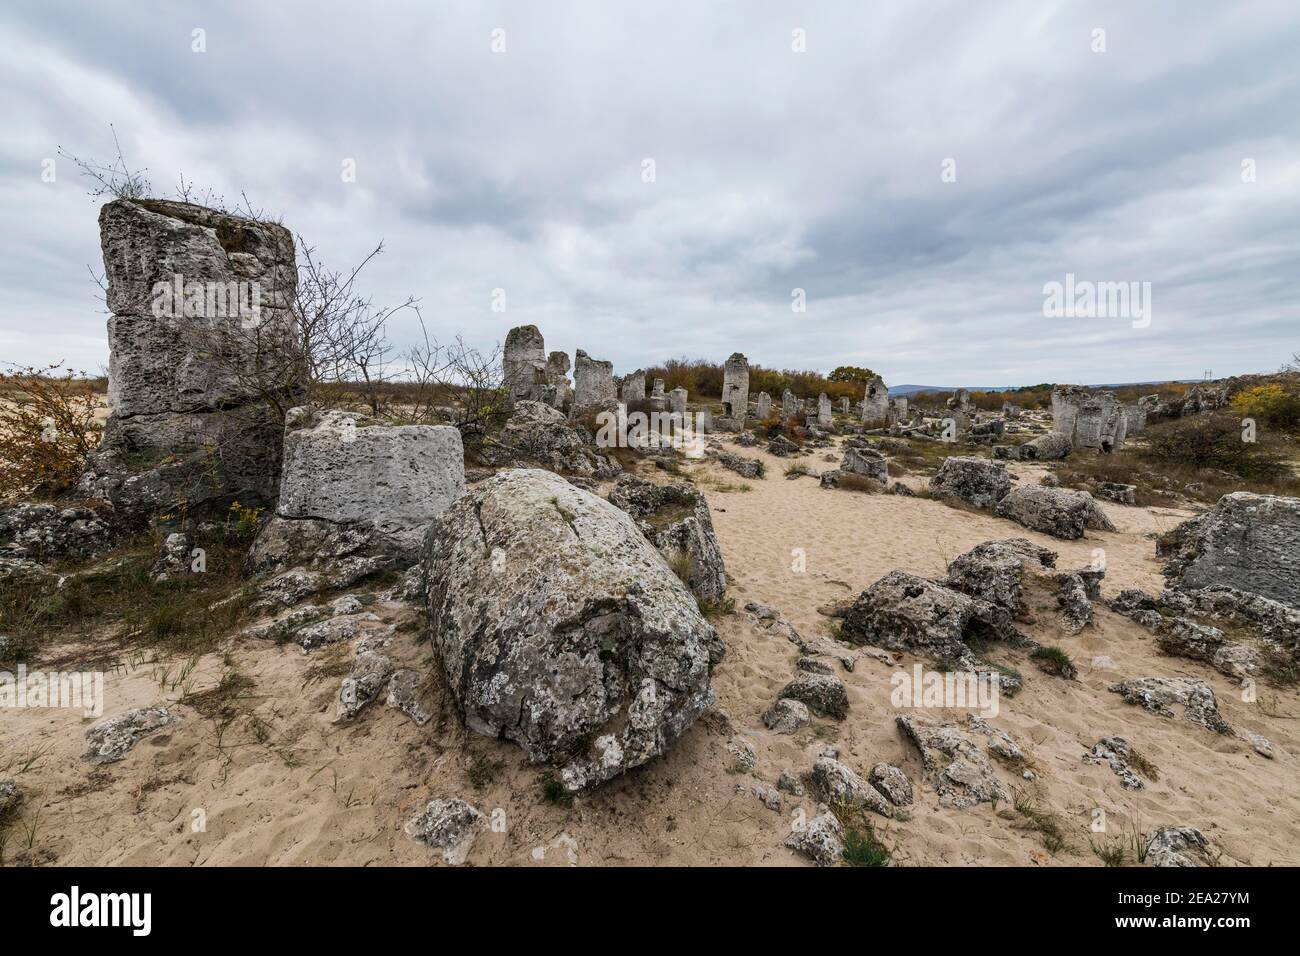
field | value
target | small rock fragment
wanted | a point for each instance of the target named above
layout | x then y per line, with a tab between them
821	839
447	825
110	739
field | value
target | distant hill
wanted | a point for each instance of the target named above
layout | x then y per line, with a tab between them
912	389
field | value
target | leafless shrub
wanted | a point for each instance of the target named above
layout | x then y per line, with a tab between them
47	429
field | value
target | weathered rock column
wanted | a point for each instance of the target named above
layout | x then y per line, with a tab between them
897	410
763	406
557	377
677	401
875	402
735	387
1093	421
633	391
824	416
658	400
593	383
523	363
201	334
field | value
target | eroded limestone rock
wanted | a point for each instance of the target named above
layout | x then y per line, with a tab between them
450	825
835	783
1247	542
538	434
1115	751
1179	846
978	481
585	648
200	304
1161	695
821	839
112	738
954	764
1055	511
676	518
824	694
904	612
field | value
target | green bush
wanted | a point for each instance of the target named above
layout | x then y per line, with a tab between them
1213	441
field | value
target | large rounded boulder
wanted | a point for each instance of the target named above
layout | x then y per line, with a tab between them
562	628
1060	512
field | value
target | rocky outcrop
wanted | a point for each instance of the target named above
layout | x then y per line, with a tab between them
1138	606
559	389
745	467
865	461
524	364
836	784
174	557
786	716
560	627
43	532
386	481
977	481
955	765
200	329
1178	619
538	434
824	694
875	402
1115	752
1160	695
451	826
370	676
904	612
1050	447
1093	421
735	388
313	626
112	738
1275	623
1179	846
593	383
1183	637
1119	493
675	517
406	693
1247	542
1003	572
892	784
821	839
996	571
1055	511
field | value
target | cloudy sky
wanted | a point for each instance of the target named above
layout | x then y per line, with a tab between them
919	169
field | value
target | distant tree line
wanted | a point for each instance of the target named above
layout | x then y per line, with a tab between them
703	380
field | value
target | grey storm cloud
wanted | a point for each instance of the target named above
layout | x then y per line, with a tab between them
774	170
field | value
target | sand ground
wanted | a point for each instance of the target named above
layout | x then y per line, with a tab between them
282	784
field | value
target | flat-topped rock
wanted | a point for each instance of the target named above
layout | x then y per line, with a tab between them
340	469
1247	542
